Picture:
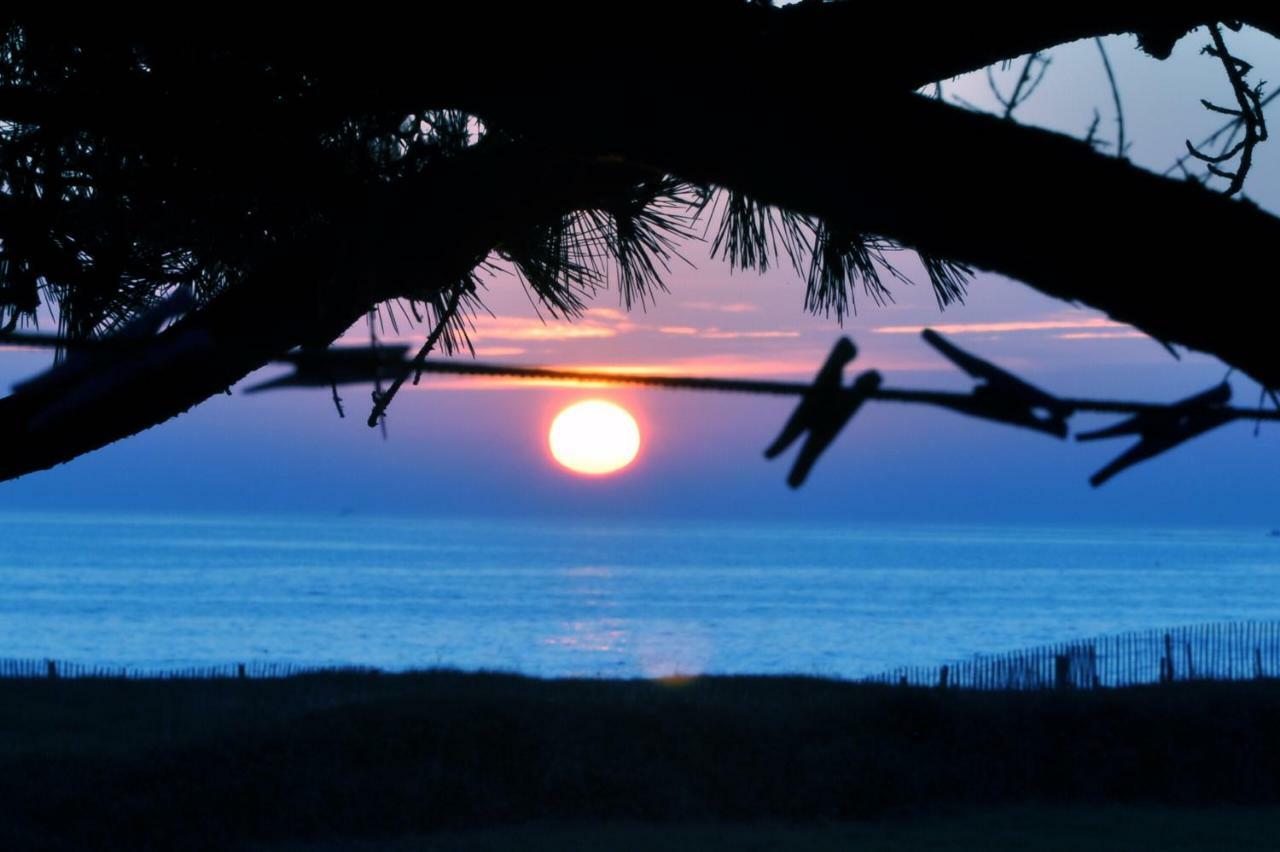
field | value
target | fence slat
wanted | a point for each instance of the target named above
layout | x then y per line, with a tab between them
1219	651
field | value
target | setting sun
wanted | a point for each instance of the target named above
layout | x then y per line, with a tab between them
594	437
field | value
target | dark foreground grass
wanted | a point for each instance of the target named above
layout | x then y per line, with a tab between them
1044	829
322	761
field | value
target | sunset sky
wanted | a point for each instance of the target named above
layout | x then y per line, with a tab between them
479	448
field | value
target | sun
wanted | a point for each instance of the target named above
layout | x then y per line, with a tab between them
594	437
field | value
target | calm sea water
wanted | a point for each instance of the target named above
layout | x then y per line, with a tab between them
559	598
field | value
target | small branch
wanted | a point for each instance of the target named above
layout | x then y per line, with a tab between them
1121	146
1026	85
1231	128
337	400
1248	115
1091	137
382	400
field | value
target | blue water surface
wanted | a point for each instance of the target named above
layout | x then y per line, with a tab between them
557	597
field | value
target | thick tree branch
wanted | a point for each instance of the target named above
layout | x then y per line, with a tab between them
655	49
422	235
1183	264
903	49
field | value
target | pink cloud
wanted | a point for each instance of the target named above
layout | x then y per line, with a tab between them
999	327
1102	335
605	314
717	334
523	328
714	333
731	308
498	351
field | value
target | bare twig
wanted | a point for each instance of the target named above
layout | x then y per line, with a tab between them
1248	116
1091	137
1033	71
1121	145
337	400
382	400
1231	128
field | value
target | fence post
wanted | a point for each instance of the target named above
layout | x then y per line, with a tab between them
1061	671
1191	669
51	669
240	671
1166	663
942	677
1257	662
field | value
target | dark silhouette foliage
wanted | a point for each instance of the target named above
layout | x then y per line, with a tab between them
287	181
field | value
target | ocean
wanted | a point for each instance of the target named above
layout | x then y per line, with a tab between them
569	598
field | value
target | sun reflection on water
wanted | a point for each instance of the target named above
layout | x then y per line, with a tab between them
673	650
600	636
609	642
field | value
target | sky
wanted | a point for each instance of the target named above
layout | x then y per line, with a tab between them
479	449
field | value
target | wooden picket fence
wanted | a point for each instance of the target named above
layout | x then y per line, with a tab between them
28	669
1238	650
1229	651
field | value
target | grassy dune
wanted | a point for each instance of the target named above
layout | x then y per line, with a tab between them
1045	829
341	761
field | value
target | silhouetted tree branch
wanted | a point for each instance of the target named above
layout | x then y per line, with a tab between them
429	233
293	181
960	185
